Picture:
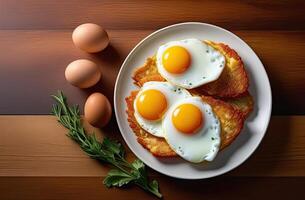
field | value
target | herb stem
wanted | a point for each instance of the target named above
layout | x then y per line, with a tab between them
158	194
107	151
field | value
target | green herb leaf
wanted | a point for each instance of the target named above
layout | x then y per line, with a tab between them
138	164
107	151
117	178
114	147
154	186
137	171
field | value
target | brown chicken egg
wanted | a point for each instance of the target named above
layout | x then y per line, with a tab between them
97	110
90	37
83	73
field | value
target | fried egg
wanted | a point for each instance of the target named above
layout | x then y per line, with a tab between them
192	130
152	103
189	63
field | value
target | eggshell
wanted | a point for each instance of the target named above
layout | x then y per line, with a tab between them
83	73
97	110
90	38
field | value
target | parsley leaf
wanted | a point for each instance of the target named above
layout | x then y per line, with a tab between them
117	178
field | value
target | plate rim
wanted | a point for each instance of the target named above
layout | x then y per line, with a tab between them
266	124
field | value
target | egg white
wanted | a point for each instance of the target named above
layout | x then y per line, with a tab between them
206	66
204	144
172	94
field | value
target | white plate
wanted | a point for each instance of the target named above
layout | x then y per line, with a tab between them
254	128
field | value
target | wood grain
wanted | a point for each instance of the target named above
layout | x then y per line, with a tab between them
33	63
143	14
38	146
50	188
37	160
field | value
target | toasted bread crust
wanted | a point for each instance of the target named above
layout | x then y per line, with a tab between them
233	81
231	120
147	72
244	103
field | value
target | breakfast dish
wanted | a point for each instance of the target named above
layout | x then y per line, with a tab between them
192	101
231	119
233	80
189	63
241	106
159	96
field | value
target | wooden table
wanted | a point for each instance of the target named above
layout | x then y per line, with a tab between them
37	160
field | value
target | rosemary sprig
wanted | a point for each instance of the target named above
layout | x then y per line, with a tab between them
107	151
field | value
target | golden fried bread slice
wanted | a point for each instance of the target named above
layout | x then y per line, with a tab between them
244	103
157	146
230	118
232	82
148	72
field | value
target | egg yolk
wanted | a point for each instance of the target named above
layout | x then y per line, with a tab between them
151	104
187	118
176	59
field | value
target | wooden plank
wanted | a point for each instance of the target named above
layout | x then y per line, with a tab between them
33	64
33	188
38	161
37	146
143	14
279	52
